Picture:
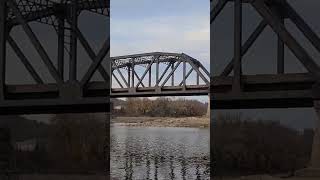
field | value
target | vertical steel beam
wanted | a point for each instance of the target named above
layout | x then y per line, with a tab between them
128	74
246	46
132	73
61	34
236	86
146	71
171	73
157	72
280	54
198	76
3	48
172	77
150	75
184	74
73	42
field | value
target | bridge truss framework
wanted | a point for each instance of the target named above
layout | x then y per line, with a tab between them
64	95
280	90
162	82
266	90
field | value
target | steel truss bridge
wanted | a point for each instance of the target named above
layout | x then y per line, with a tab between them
156	81
82	94
228	90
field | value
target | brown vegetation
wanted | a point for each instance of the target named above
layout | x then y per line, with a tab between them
195	122
76	142
163	107
243	146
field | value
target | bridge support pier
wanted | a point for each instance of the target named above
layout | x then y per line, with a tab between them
208	108
315	156
314	168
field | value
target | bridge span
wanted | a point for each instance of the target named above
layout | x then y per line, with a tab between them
158	74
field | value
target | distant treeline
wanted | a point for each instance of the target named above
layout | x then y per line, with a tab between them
162	107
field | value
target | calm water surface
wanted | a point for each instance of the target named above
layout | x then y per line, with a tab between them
159	153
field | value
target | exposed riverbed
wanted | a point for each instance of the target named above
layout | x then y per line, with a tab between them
195	122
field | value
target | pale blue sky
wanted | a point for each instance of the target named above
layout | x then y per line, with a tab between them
142	26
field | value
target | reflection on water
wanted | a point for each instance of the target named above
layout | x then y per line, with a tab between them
159	153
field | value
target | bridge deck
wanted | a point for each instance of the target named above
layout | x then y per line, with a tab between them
260	91
264	91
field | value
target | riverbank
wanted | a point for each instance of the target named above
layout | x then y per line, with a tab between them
194	122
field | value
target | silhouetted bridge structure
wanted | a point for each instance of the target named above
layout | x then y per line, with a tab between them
231	89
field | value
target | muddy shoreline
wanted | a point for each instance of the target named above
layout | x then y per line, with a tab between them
192	122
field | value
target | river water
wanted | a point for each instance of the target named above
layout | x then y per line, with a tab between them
159	153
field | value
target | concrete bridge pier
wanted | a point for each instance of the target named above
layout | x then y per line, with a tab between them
208	108
314	168
315	156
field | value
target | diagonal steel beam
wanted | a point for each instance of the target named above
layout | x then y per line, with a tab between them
91	53
122	77
303	26
171	73
24	60
200	73
205	70
196	66
246	46
147	69
117	80
217	9
287	38
187	75
36	43
135	73
164	72
95	64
